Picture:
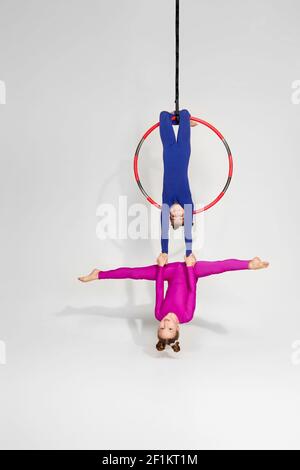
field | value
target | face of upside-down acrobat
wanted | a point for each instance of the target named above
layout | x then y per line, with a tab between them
168	326
176	216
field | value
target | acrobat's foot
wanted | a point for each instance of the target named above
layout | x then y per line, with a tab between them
90	277
257	263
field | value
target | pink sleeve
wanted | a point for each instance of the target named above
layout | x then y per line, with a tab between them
148	273
159	290
207	268
191	298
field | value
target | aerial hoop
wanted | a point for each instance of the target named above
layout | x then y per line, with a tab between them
230	164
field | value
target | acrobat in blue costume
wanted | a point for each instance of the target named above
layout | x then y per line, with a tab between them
176	188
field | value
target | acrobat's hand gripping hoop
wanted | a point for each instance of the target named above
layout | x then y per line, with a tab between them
230	165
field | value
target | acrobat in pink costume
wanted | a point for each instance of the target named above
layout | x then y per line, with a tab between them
180	297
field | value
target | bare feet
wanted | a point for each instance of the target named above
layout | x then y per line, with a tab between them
190	260
257	263
90	277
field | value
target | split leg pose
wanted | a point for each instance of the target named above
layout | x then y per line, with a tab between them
178	305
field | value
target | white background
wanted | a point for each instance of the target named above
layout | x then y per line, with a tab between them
84	80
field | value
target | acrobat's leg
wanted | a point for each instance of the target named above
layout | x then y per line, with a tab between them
147	273
184	132
166	130
207	268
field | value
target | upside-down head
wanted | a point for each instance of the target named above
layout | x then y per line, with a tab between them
176	216
168	333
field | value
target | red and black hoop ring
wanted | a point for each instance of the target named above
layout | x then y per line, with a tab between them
230	165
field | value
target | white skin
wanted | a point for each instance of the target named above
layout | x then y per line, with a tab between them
168	326
177	219
176	215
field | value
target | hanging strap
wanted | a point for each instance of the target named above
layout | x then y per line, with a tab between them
177	62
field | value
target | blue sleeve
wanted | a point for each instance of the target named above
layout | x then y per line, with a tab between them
165	215
188	224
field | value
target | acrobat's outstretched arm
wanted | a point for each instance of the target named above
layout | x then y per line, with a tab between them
159	290
191	298
165	218
188	224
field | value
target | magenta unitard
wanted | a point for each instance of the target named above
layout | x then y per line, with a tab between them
180	297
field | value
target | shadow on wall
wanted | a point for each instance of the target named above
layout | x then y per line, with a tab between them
141	323
123	182
134	253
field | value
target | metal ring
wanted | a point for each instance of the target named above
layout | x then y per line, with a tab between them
230	164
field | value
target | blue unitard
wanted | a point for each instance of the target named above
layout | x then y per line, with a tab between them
176	188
